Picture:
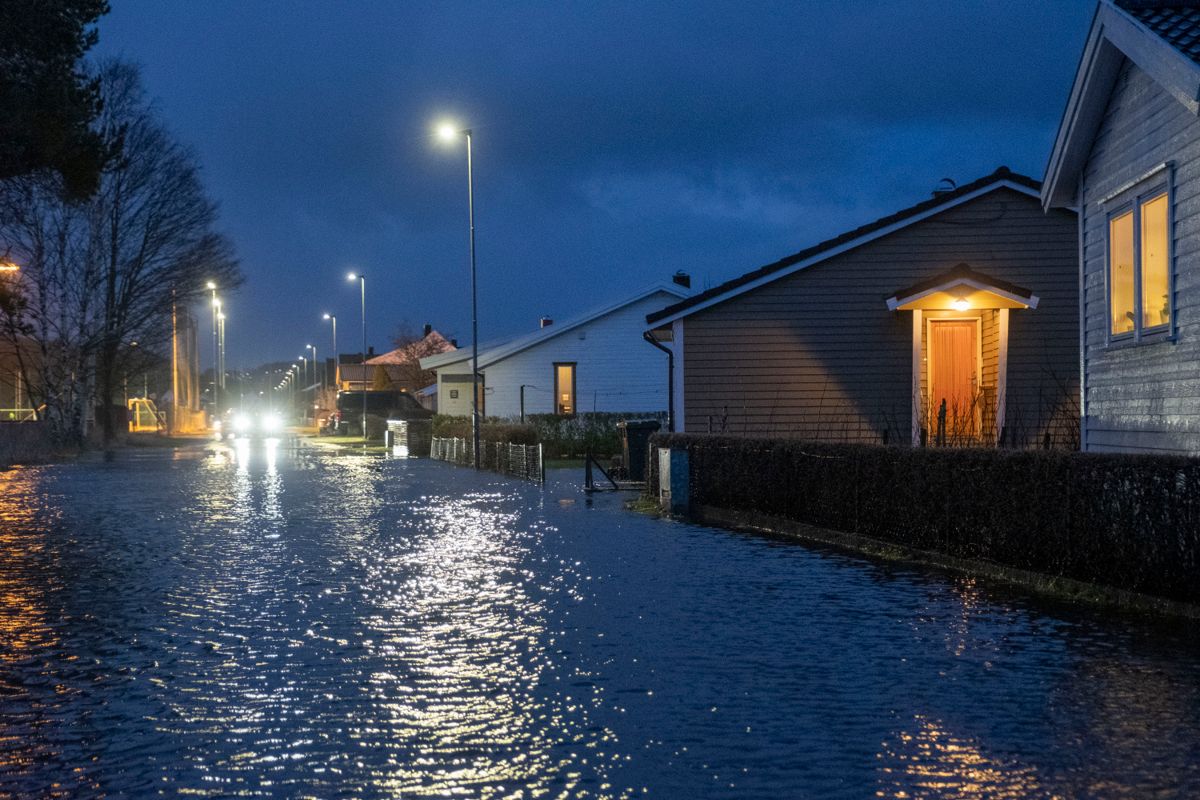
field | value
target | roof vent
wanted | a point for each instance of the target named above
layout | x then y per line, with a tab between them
681	278
944	186
545	322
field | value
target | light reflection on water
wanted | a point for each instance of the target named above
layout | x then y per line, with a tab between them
258	620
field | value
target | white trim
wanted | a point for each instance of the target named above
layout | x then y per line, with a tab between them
1114	35
916	377
1002	372
825	255
677	375
1145	176
503	349
895	302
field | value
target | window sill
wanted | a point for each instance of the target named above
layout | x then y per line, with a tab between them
1160	337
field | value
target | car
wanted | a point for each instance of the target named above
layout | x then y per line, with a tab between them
383	405
253	425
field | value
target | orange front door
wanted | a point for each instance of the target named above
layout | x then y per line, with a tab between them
954	374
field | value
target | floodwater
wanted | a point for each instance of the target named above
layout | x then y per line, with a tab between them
300	623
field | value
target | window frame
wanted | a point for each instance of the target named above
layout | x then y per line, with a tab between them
574	365
1131	200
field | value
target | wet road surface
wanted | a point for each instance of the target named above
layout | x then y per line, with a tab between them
301	623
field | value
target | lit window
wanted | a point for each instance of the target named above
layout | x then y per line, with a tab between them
564	388
1139	267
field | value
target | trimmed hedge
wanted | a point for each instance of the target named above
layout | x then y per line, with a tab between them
594	432
1126	521
448	426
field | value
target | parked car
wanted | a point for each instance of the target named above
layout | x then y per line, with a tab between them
381	406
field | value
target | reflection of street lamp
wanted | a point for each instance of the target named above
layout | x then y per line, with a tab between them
362	284
337	359
448	132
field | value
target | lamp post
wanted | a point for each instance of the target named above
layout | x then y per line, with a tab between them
221	339
216	304
316	378
362	284
337	359
449	132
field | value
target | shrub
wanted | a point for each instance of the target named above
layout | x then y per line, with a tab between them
594	432
491	430
1128	521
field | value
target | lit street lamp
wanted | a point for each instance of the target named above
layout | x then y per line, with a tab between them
362	283
316	380
448	133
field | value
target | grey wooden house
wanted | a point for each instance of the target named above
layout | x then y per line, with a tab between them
954	320
1127	157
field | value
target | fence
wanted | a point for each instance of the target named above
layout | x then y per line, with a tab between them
518	460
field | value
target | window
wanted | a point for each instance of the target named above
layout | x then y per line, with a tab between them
564	389
1139	267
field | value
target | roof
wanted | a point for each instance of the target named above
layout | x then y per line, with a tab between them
1161	38
1003	177
1177	22
433	343
501	350
963	275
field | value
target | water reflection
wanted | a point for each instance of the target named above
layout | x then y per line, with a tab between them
278	622
928	760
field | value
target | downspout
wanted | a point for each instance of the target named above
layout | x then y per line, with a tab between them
670	378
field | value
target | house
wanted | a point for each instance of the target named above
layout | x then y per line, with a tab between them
952	321
594	362
1127	158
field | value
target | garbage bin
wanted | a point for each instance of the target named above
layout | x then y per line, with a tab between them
635	438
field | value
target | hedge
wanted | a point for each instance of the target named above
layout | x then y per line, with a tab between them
490	431
1126	521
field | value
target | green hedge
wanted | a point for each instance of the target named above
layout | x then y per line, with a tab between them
491	430
594	432
1127	521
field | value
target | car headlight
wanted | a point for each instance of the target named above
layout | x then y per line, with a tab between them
241	423
271	423
216	424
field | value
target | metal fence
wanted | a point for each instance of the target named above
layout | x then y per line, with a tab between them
518	460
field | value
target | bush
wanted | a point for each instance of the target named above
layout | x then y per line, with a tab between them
446	426
1127	521
576	435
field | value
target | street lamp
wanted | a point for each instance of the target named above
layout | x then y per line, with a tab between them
449	132
316	380
362	284
337	359
216	305
221	338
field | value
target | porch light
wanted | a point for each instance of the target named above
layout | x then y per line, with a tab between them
961	304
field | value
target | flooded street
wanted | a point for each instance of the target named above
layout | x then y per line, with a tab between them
308	623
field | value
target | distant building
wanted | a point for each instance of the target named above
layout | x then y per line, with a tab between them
1127	157
956	316
594	362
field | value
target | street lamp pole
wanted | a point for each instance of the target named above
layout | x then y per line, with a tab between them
362	284
212	287
449	132
337	359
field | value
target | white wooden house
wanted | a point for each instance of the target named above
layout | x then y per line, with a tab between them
1127	158
597	361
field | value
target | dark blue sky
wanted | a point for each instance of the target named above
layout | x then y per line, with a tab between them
615	142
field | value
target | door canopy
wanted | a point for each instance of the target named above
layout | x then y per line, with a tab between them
962	289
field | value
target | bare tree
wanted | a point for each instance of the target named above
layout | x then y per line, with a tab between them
98	280
412	347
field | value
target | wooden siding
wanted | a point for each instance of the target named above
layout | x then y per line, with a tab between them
1144	397
817	353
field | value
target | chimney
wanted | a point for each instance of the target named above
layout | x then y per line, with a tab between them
545	322
428	329
681	278
371	351
454	343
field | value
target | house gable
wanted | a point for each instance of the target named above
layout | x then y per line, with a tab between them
1002	179
1159	40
